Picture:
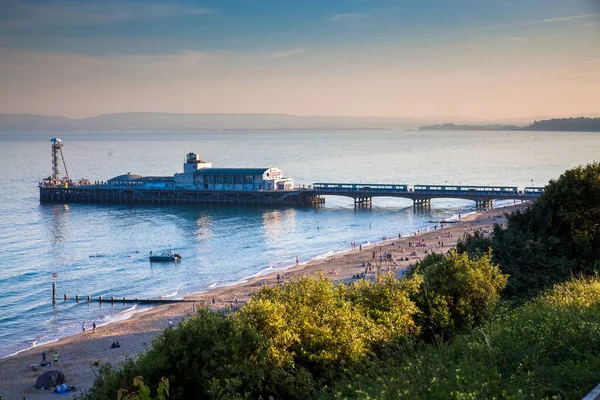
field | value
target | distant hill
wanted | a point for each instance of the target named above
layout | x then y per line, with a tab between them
146	121
579	124
143	121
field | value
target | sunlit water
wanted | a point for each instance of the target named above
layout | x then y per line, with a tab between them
224	245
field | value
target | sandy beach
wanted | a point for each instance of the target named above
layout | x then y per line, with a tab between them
80	352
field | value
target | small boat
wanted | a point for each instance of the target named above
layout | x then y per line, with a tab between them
165	257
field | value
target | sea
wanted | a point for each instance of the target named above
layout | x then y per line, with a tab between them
102	250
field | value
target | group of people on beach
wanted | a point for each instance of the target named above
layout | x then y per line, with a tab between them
93	326
355	246
54	358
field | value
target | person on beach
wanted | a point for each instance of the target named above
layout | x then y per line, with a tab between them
55	357
83	326
43	357
93	325
297	260
170	324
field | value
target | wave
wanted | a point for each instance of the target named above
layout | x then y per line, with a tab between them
170	295
72	329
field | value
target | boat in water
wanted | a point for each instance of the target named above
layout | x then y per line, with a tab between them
164	257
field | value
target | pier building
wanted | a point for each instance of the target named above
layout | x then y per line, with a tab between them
200	175
199	183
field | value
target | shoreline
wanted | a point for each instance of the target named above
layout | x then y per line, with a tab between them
79	351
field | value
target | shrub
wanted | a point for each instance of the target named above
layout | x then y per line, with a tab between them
456	292
547	348
554	239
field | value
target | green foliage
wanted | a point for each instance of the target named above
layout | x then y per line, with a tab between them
475	245
547	348
455	293
143	392
321	327
287	342
210	355
554	239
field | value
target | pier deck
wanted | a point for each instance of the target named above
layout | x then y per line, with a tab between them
421	195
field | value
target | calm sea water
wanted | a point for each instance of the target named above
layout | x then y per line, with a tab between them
224	245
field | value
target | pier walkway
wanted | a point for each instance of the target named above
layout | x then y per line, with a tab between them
421	195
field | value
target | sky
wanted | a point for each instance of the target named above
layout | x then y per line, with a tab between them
483	59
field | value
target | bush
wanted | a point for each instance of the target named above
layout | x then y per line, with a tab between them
554	239
455	293
547	348
210	355
287	342
321	327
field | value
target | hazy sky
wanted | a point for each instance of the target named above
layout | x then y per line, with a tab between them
477	58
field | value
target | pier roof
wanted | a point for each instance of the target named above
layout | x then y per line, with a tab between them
126	177
231	171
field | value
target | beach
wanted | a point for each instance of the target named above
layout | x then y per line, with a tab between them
80	352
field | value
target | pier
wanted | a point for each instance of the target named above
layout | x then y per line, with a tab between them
313	195
200	183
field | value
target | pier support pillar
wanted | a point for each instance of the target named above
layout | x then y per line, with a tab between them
363	202
421	203
53	293
483	204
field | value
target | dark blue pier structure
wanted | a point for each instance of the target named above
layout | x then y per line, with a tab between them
421	195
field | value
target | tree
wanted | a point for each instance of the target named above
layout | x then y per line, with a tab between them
555	238
456	292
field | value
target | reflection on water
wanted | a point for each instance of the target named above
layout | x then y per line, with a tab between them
277	222
204	228
58	228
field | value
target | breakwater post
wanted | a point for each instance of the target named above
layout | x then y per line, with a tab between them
54	275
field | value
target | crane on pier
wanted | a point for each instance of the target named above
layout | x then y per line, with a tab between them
56	151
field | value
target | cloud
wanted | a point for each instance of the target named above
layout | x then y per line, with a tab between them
283	54
540	21
26	15
339	17
570	18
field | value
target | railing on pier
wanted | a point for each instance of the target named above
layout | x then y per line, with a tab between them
359	187
365	188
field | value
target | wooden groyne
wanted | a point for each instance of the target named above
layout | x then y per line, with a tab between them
122	300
